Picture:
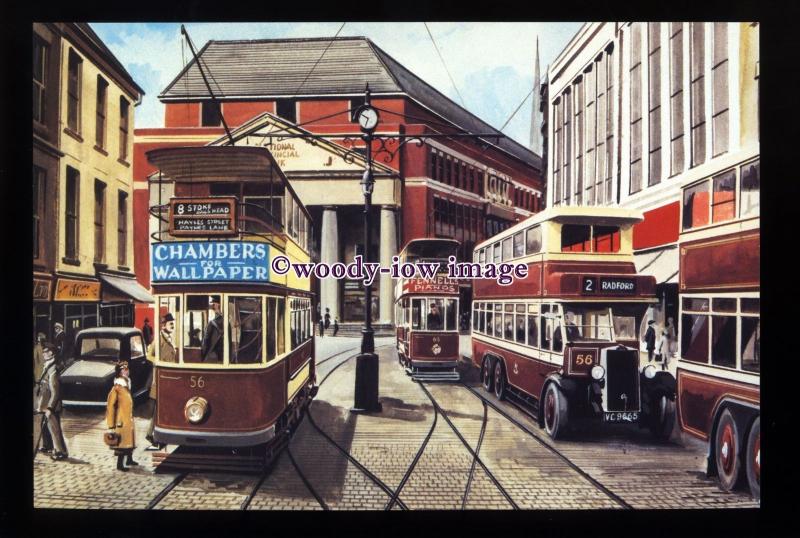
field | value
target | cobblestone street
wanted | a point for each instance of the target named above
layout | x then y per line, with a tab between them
602	467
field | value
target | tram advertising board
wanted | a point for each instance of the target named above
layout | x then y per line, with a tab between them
210	261
439	284
202	216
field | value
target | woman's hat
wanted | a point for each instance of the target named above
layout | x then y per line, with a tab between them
168	317
651	322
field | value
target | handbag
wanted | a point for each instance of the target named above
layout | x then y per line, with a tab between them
111	439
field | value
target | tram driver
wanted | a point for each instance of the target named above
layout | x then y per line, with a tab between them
434	318
211	350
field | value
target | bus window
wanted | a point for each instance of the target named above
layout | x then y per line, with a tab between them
244	330
532	340
545	327
489	325
507	249
751	344
576	238
496	255
519	245
417	308
694	337
533	240
520	323
451	311
475	315
498	321
723	341
270	328
605	239
558	340
508	322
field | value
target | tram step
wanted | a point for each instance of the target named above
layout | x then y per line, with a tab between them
436	376
200	462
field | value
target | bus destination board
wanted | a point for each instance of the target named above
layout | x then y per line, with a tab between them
202	216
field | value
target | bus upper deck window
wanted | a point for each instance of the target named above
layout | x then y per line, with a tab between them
519	245
576	238
533	240
605	239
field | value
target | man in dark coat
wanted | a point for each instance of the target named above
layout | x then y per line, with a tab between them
147	332
49	392
335	326
650	339
211	350
58	340
327	318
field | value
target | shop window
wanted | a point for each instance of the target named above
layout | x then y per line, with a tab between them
723	202
749	189
210	113
695	206
723	341
751	344
694	337
533	240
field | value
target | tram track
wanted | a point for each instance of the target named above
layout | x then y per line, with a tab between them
164	492
597	484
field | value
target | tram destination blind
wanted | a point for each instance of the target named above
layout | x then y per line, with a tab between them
608	285
202	216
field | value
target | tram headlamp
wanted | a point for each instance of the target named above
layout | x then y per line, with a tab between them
195	409
598	372
649	371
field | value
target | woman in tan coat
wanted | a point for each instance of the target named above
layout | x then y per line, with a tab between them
119	415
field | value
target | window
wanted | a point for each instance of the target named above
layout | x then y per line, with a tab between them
355	104
531	329
210	114
590	89
695	206
496	255
519	324
567	141
723	341
167	349
601	109
609	122
100	124
286	109
719	91
123	128
533	240
71	208
519	246
418	310
482	256
39	189
605	239
676	98
558	149
694	337
507	249
202	329
751	344
74	68
99	221
244	330
576	238
498	321
39	79
636	108
489	324
697	90
723	201
122	228
451	311
654	99
749	189
578	141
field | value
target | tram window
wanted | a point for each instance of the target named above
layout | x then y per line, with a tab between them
751	344
532	330
244	330
507	249
752	305
723	341
281	326
519	245
202	329
576	238
418	306
435	315
533	240
293	331
721	304
695	206
749	189
169	334
496	253
270	328
451	312
694	337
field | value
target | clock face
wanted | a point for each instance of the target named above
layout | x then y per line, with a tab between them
368	118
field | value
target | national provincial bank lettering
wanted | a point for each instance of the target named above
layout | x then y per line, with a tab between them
229	261
282	151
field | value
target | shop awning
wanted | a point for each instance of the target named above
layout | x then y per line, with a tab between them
663	264
129	287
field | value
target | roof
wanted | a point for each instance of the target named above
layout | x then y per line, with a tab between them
112	331
274	68
94	40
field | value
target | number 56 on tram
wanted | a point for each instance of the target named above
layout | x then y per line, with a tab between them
234	354
564	339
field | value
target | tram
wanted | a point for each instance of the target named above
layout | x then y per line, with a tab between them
426	313
719	365
563	341
234	352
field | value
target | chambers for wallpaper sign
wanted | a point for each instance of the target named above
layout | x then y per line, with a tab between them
210	261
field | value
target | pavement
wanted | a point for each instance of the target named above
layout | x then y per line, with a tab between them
596	467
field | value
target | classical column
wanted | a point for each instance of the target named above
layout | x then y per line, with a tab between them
388	248
329	253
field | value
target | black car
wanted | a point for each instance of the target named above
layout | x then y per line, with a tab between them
89	375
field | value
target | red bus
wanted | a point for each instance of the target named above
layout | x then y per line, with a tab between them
564	339
426	313
720	331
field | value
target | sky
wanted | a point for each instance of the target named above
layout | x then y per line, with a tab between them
492	64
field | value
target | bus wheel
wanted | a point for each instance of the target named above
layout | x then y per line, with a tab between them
754	459
499	380
555	411
727	448
662	418
486	374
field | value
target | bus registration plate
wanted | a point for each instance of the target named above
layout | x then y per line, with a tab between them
618	416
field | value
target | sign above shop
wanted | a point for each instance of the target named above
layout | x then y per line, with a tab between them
202	216
41	289
68	289
210	261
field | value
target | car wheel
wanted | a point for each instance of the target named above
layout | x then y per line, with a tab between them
753	459
727	448
556	411
662	418
499	380
486	374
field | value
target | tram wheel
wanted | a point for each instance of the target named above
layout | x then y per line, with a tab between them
556	411
499	380
662	418
486	374
727	450
754	459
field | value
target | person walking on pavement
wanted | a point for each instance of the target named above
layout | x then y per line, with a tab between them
58	340
650	339
119	416
147	332
167	353
38	368
335	326
671	337
49	403
662	349
327	318
321	327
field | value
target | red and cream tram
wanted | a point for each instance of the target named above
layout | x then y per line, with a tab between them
234	352
564	339
426	313
720	331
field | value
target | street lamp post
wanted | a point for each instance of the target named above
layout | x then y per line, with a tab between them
366	387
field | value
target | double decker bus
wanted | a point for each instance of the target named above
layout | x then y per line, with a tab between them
719	366
564	339
426	313
234	352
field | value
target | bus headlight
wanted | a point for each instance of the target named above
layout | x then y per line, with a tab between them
598	372
195	409
649	371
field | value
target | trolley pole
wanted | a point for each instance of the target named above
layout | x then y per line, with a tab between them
366	385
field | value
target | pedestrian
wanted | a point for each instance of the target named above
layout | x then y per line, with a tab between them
335	325
49	401
119	416
321	327
662	349
327	318
58	340
672	343
38	357
650	339
147	332
167	353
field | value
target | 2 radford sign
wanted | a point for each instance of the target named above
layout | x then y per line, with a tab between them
213	261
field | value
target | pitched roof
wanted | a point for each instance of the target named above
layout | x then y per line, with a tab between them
271	68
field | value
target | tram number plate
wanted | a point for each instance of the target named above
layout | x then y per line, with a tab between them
618	416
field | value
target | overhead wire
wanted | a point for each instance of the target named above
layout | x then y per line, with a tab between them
444	64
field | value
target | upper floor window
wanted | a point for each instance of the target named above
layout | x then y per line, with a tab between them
102	98
123	128
719	77
71	213
697	93
39	78
636	109
676	97
654	100
210	114
74	69
39	188
286	109
99	220
586	238
122	228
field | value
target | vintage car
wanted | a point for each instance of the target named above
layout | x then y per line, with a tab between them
89	374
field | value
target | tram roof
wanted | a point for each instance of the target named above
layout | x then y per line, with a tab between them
187	164
419	240
604	216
